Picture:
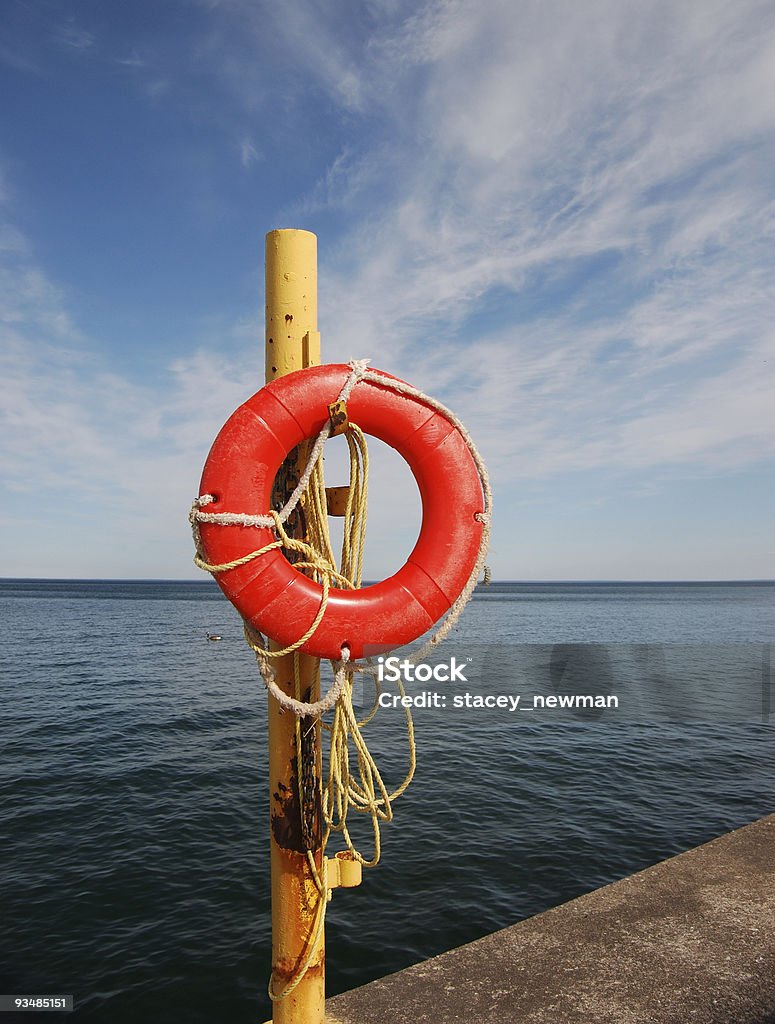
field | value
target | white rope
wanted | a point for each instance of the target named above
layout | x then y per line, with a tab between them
358	372
358	368
456	609
407	389
299	707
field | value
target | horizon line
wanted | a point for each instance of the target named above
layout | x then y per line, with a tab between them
159	579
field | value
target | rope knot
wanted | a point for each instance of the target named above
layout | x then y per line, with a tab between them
358	370
359	367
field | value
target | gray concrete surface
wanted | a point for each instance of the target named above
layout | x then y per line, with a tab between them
688	941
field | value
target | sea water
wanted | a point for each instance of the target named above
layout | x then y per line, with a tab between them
134	794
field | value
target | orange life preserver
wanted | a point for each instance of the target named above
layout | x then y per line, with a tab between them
279	600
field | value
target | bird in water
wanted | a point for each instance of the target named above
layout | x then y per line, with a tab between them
214	636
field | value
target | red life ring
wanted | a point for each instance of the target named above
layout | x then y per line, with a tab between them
279	600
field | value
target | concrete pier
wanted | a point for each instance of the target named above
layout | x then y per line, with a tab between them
690	940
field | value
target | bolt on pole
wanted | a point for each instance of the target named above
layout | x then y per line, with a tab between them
292	343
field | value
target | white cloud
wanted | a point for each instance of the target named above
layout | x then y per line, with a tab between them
557	217
547	137
248	152
74	37
86	452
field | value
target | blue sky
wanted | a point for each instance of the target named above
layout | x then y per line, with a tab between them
556	217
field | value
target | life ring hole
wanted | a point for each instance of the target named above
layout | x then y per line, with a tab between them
394	505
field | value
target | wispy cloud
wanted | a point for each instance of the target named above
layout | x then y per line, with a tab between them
557	217
639	135
248	152
85	451
73	36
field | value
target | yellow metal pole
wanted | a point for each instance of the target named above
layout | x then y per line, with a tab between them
292	342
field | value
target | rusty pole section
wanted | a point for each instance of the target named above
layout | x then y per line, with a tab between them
292	342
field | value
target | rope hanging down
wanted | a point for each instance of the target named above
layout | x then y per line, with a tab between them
367	792
341	791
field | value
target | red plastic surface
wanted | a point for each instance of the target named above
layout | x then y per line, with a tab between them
278	599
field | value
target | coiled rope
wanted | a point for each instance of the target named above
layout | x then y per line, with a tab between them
322	563
364	792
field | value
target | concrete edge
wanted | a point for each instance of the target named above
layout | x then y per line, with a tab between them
690	939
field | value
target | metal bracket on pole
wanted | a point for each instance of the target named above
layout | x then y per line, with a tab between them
336	500
337	414
310	348
343	870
